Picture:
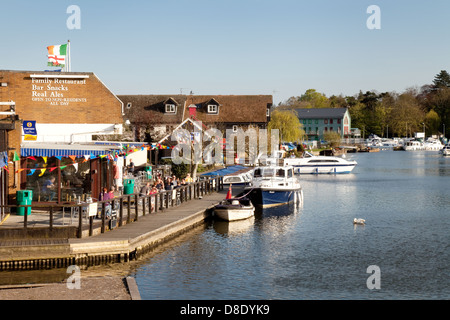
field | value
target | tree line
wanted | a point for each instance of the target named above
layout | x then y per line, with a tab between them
389	114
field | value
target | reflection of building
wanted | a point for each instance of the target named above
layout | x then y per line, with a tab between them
318	121
158	115
50	129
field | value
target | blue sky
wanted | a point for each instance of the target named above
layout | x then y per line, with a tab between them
281	47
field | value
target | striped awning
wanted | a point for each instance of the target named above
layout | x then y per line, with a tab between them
66	150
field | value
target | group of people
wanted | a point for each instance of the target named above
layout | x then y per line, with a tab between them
169	183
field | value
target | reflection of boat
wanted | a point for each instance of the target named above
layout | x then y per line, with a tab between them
446	150
233	227
274	185
320	164
234	209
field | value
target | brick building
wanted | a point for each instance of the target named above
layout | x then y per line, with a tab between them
158	115
47	119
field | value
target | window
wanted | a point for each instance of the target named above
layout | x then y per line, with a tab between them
128	105
331	121
170	108
316	121
235	128
309	121
212	108
325	121
304	121
268	112
339	121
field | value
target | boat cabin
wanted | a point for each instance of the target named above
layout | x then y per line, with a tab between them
273	172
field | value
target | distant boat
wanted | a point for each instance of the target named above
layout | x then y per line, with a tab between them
274	186
311	164
413	145
433	145
234	209
445	151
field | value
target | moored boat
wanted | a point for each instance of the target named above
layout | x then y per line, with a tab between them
234	209
311	164
273	186
445	151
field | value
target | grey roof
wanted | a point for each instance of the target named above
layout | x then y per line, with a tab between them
320	113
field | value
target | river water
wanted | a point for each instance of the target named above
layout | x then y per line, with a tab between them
315	251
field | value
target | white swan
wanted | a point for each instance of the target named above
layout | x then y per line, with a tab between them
359	221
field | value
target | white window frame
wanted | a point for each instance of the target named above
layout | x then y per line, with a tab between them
212	108
268	112
235	128
171	108
129	104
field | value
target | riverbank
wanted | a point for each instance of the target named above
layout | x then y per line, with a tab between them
97	288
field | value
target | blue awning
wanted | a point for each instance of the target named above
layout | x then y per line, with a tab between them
65	150
224	171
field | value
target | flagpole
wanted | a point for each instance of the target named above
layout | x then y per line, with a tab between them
68	68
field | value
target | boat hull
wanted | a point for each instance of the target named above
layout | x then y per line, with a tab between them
324	169
272	198
229	214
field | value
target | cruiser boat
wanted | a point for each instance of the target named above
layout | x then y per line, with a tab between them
433	145
446	150
273	186
320	164
234	209
413	145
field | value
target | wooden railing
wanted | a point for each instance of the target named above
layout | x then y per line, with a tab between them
121	207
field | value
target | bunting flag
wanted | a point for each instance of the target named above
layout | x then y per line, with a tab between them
31	172
16	157
57	55
42	172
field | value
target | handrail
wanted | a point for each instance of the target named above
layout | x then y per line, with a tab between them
149	203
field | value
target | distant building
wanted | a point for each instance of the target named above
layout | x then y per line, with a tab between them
318	121
158	115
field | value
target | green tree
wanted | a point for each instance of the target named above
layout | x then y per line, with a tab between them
315	99
442	80
333	138
288	124
432	122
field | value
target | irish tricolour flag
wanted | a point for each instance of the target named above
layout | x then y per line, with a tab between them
57	55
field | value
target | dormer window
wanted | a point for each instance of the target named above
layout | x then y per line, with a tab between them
212	108
129	105
170	108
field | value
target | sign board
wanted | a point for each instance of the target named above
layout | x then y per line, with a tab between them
29	130
92	209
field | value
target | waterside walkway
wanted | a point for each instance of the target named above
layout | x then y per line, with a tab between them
118	245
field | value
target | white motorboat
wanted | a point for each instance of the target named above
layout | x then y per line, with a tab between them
433	145
413	145
241	177
320	164
273	186
234	209
445	151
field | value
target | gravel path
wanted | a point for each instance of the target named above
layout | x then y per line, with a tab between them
101	288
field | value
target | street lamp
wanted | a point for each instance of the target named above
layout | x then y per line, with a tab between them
423	131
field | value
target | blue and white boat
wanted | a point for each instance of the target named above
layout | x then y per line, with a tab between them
320	164
273	186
